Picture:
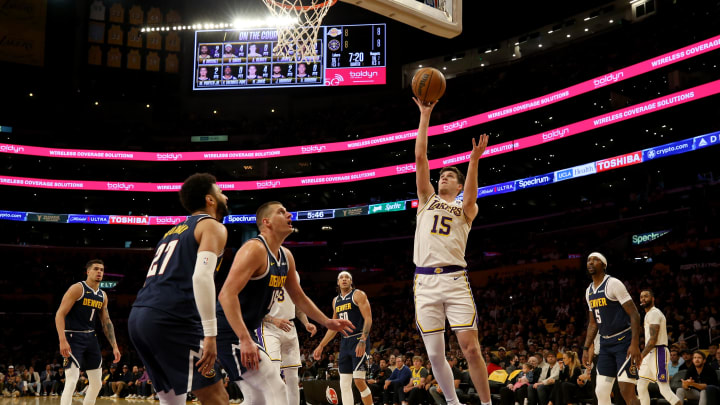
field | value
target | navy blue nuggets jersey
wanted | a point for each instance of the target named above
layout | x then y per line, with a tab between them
346	308
605	303
259	294
85	311
169	286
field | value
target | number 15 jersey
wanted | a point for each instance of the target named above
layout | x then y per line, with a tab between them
441	234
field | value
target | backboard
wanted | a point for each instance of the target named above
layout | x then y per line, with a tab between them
443	19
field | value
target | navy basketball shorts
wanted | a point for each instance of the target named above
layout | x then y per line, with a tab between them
169	347
348	362
228	348
613	360
84	351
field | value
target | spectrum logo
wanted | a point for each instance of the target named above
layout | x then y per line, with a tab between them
267	184
11	149
455	125
610	78
239	219
535	181
555	133
312	149
363	74
408	168
120	186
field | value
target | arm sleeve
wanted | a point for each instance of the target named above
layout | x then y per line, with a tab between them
204	290
587	300
615	290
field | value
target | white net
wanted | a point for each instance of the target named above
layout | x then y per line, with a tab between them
299	40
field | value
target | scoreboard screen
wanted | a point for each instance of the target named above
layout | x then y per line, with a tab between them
347	55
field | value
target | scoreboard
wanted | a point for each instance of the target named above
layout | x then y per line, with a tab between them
347	55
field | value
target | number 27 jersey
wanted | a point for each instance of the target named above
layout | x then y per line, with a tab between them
441	234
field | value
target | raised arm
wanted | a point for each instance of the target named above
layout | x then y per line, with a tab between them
363	304
71	295
471	180
249	260
425	188
109	330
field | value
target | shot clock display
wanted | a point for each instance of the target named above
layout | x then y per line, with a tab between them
239	59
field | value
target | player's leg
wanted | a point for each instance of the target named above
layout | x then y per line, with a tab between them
290	347
461	314
93	366
78	345
627	375
359	372
266	382
171	398
643	393
215	394
430	320
345	368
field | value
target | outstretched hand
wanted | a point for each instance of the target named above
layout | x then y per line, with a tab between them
425	108
479	147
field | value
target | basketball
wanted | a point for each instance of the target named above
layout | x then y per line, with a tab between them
428	85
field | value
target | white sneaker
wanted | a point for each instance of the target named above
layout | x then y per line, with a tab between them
114	396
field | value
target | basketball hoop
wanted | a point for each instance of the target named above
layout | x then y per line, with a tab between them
300	40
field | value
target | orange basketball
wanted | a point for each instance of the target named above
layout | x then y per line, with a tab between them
428	85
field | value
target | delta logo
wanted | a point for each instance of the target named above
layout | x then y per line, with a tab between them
331	395
619	161
267	184
607	79
407	168
312	149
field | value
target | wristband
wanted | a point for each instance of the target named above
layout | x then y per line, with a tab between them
210	327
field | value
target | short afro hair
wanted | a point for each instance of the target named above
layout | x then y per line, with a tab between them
194	190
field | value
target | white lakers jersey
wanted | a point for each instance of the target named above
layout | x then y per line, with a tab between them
441	234
283	307
656	317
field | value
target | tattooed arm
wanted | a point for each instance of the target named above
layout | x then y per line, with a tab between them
109	330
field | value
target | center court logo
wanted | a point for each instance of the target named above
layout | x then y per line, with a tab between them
610	78
267	184
408	168
120	186
312	149
455	125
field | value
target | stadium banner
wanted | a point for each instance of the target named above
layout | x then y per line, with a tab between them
42	217
22	31
649	65
643	238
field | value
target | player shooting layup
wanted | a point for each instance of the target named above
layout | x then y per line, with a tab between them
442	289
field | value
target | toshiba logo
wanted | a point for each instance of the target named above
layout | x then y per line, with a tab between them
363	74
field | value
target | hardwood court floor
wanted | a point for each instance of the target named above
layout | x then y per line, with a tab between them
77	401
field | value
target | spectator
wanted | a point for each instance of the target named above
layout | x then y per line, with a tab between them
59	379
540	391
377	381
415	388
436	392
517	388
48	381
33	381
566	387
400	377
715	364
132	382
675	362
687	360
113	379
310	370
699	376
